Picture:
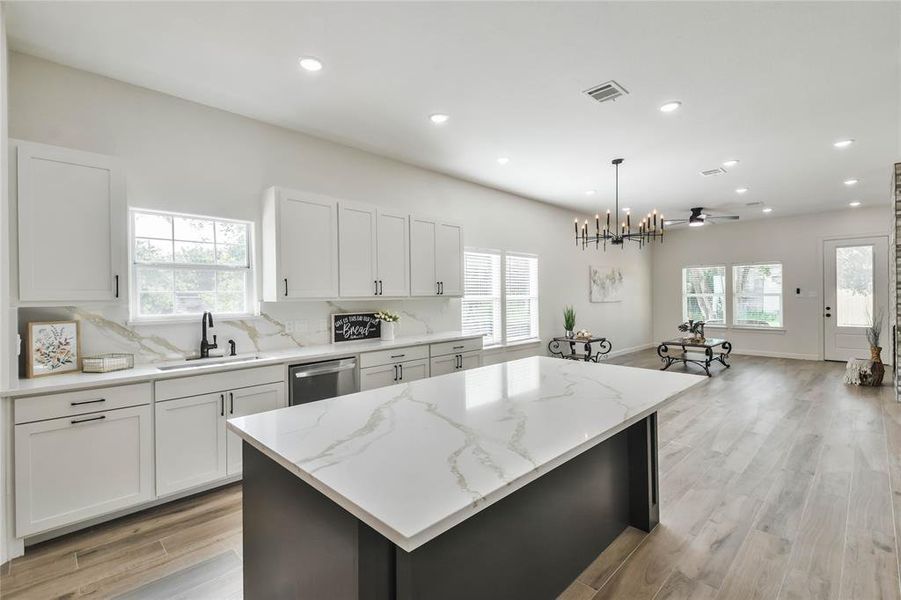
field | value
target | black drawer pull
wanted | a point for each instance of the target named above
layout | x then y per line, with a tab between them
398	355
87	402
76	421
458	347
286	286
117	286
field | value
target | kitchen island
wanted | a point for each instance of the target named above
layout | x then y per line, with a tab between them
499	482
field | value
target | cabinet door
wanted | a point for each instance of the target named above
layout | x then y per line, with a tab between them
75	468
307	245
413	370
470	360
190	442
443	365
376	377
423	279
72	225
249	401
357	250
449	259
393	254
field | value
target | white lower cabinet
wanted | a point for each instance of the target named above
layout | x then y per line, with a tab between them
400	372
193	446
249	401
190	442
76	467
443	365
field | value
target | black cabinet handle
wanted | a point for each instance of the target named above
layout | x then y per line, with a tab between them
117	286
381	288
221	405
437	288
375	287
401	372
286	286
398	355
76	421
87	402
231	403
441	288
395	372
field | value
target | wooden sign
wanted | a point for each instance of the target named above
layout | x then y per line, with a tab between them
351	327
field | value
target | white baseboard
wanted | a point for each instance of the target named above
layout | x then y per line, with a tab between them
632	349
769	354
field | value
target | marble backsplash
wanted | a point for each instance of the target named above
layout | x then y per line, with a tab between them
279	327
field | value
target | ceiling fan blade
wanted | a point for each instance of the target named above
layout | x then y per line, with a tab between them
723	217
675	221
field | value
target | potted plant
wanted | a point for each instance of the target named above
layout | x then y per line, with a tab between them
388	320
569	320
873	333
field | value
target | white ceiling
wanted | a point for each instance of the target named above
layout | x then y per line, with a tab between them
772	84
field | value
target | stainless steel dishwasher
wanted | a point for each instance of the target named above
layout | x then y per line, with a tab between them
321	380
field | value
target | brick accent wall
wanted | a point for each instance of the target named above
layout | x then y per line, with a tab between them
895	274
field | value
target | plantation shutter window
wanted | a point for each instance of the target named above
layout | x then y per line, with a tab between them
521	297
481	304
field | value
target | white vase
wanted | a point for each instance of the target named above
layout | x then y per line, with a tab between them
387	331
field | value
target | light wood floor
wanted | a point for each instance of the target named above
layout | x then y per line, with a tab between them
777	481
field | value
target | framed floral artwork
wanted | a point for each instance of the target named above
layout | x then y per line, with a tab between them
53	347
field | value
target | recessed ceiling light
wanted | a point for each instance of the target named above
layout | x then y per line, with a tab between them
730	163
843	143
439	118
741	190
856	203
767	210
670	106
503	160
851	181
590	192
308	63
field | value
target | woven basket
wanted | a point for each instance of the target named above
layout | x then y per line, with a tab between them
104	363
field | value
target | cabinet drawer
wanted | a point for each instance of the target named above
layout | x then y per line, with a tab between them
76	468
395	355
196	385
456	347
52	406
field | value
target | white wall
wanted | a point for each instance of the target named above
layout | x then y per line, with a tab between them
4	291
187	157
796	242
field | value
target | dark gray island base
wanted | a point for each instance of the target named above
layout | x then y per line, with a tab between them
531	544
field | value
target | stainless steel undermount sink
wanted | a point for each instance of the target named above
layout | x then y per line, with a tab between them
194	363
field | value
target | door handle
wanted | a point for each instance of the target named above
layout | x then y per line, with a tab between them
231	403
286	286
221	405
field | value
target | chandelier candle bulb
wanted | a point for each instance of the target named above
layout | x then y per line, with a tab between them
597	223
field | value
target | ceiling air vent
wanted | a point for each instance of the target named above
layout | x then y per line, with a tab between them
712	172
609	90
756	203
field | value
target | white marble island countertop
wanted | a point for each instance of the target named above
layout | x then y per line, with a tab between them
413	460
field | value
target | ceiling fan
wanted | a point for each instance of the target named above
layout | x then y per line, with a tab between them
698	218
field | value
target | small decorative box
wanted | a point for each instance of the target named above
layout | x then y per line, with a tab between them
104	363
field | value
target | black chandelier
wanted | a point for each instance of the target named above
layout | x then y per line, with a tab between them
647	231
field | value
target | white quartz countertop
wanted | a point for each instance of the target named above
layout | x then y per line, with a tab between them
415	459
75	381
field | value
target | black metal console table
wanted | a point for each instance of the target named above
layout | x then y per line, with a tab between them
558	347
710	350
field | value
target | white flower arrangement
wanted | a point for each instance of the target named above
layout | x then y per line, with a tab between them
387	316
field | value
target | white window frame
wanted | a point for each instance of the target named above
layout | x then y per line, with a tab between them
725	294
503	254
250	290
781	295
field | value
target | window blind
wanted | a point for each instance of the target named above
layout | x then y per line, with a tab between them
481	305
521	289
757	295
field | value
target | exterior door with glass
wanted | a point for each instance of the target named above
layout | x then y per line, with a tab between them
855	296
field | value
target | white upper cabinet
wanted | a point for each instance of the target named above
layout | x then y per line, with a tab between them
436	258
357	232
72	225
300	245
393	254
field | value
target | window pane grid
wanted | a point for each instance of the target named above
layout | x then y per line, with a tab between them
704	294
187	265
481	304
757	295
521	298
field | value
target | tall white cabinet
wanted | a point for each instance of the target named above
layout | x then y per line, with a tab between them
300	245
436	258
72	225
373	251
